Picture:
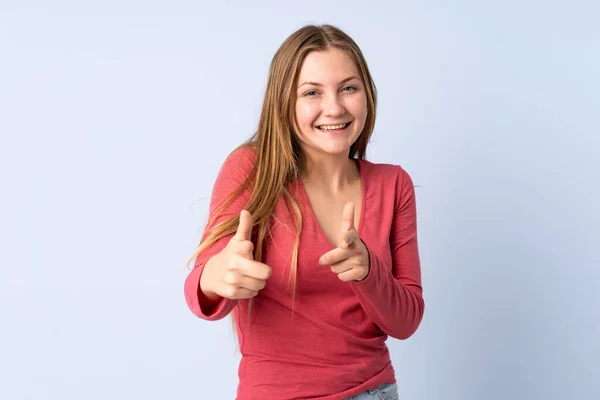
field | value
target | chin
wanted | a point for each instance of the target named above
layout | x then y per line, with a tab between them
336	151
326	146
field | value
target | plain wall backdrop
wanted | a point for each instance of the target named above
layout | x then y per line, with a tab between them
115	117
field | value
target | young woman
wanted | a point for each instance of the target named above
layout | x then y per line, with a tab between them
312	248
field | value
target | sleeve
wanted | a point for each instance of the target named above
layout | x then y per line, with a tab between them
392	297
236	168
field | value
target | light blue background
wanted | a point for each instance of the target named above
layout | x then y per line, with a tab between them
115	117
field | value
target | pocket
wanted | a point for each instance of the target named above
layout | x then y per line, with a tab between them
388	391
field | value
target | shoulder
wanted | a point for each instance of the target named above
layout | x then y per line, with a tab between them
239	164
385	174
242	157
390	183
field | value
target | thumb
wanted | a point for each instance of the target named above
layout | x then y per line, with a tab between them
244	230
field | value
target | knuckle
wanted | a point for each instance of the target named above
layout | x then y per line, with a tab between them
243	249
232	262
248	246
231	278
240	246
231	292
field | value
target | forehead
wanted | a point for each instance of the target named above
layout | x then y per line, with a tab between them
328	66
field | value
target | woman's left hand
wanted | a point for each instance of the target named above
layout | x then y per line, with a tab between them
350	260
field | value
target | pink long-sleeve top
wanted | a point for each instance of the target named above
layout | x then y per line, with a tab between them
332	346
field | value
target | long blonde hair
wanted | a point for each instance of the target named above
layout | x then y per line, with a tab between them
279	158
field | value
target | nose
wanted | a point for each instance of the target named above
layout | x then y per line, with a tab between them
332	106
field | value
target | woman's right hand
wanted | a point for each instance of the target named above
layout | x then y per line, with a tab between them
233	273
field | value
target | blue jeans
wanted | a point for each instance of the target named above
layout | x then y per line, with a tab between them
386	391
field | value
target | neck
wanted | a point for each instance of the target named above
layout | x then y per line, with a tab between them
330	173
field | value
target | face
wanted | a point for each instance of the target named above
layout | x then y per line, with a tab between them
331	105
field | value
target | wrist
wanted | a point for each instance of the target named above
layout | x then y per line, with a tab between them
207	298
205	286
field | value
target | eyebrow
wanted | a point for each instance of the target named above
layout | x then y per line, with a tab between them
319	84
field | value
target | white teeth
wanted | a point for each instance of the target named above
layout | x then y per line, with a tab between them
331	127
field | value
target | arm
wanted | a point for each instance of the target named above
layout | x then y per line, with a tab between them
392	295
235	169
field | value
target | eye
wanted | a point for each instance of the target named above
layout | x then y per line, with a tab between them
311	93
349	89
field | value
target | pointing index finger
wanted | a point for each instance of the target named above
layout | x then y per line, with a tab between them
348	217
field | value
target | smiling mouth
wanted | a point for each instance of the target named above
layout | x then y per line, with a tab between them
333	128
